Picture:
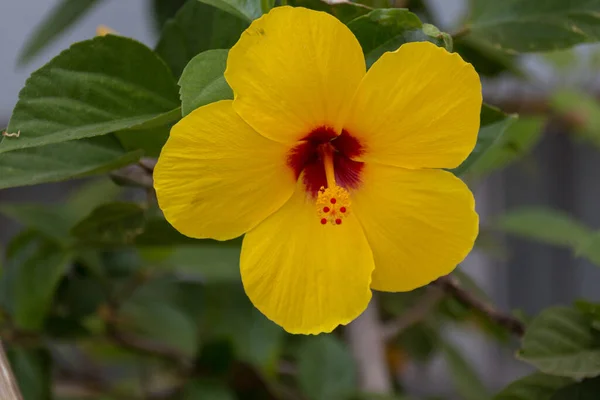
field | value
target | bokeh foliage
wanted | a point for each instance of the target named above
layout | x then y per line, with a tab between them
101	299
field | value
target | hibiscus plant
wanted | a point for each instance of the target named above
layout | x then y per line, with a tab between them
275	201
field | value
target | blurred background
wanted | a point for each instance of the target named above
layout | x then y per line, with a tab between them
560	172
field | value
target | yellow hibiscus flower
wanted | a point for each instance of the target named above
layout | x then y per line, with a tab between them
332	172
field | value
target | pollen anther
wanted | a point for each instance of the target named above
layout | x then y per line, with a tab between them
333	204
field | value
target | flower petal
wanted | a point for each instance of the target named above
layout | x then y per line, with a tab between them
417	107
292	71
307	277
217	178
419	223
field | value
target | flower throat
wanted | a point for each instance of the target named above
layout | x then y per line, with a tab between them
324	161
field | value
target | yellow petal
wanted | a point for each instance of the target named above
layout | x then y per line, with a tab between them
217	178
419	223
307	277
417	107
293	71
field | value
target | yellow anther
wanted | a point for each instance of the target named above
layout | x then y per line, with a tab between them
333	205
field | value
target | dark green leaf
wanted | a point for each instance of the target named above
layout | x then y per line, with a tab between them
202	81
54	221
560	341
384	30
255	339
517	139
493	125
150	141
325	368
487	60
537	386
345	11
588	389
248	10
545	225
154	312
197	27
162	11
96	87
465	379
60	18
529	26
111	224
63	161
32	369
209	260
36	266
159	232
419	341
90	195
198	390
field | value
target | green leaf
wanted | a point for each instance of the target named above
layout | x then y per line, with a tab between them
513	139
537	386
493	125
151	136
111	224
158	232
255	339
198	389
384	30
154	312
60	18
91	194
96	87
62	161
487	60
343	10
247	10
545	225
53	221
32	369
209	260
162	11
36	266
468	384
420	341
590	248
197	27
530	26
202	81
326	369
588	389
560	341
581	107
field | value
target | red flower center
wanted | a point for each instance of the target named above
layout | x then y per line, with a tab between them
307	157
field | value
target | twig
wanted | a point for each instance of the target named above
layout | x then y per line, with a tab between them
450	285
9	389
365	338
417	313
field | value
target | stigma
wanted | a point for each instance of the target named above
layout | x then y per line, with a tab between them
333	201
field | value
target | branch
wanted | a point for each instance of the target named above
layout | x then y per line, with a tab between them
417	313
9	389
436	291
365	338
451	286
